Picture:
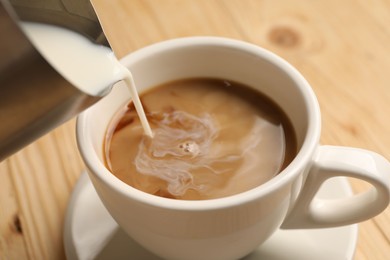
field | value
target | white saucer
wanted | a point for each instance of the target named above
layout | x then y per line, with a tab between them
91	233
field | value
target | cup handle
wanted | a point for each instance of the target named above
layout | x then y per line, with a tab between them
334	161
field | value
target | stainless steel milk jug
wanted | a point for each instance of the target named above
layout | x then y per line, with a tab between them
34	97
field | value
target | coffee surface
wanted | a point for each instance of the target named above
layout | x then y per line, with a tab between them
212	138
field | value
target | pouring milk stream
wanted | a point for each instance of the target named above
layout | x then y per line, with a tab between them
88	66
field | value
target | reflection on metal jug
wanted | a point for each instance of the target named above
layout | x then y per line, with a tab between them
34	97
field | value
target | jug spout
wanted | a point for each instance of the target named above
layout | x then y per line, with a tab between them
34	96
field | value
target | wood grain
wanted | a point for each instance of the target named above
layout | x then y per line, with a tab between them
341	47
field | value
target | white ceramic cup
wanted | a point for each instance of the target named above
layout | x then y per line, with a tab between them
231	227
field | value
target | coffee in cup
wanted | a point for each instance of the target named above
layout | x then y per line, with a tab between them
212	138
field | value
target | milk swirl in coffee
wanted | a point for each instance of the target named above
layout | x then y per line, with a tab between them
212	138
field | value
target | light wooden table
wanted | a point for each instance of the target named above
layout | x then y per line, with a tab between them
341	47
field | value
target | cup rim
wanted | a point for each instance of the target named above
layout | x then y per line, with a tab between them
297	165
